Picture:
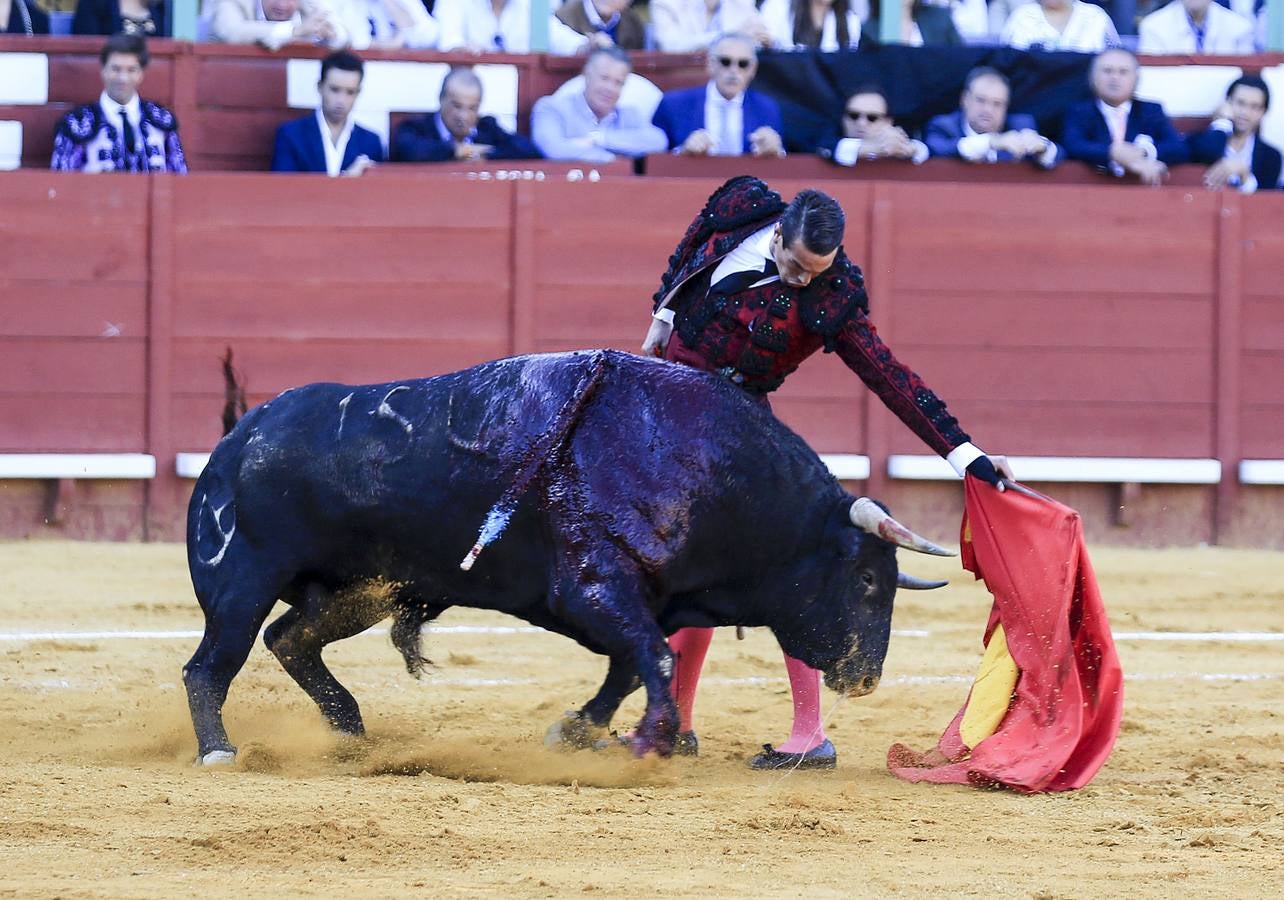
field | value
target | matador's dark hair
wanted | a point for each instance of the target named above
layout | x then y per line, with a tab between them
817	219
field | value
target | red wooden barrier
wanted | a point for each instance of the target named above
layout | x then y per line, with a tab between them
1056	320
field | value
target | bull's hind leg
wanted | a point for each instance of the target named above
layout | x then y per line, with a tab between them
231	623
298	637
585	728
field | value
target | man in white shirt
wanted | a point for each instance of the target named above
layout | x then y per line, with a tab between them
121	132
1240	159
329	140
868	132
982	131
1196	26
483	26
275	23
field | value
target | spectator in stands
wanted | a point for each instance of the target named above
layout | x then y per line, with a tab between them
457	130
593	126
275	23
328	140
1115	131
685	26
22	17
826	25
723	118
115	16
922	25
120	132
1195	26
982	131
1060	25
481	26
387	24
971	20
1240	158
604	22
868	132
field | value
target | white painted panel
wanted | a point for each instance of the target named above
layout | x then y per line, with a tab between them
404	87
847	466
24	79
77	465
1102	470
1186	90
10	145
1261	471
190	465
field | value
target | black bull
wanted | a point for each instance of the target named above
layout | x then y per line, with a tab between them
625	498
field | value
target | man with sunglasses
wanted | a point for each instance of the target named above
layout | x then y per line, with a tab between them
723	118
868	132
754	288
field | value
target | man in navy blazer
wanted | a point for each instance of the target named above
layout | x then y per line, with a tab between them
723	118
328	140
1118	133
457	130
1240	158
982	131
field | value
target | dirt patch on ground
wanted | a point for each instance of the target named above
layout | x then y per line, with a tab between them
453	793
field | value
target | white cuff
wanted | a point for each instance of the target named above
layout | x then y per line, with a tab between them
1147	145
280	35
664	315
975	147
847	151
1048	158
963	456
1224	125
1249	184
921	153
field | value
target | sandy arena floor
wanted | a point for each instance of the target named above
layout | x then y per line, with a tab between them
455	795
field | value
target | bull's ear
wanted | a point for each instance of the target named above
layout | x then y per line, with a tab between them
867	515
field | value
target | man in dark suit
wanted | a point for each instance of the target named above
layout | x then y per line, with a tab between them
328	140
457	130
1240	158
982	131
1118	133
723	118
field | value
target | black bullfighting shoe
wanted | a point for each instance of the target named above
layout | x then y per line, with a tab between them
821	757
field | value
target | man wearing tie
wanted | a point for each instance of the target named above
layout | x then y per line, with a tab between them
754	288
121	132
723	118
1118	133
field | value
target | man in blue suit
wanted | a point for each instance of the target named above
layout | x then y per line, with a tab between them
328	140
458	130
1239	158
982	131
723	118
1118	133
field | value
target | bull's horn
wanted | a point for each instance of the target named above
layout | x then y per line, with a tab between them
869	516
911	583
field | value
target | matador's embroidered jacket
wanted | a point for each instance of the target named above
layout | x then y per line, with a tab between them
759	335
87	142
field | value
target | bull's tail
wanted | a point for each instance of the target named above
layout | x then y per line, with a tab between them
233	394
540	451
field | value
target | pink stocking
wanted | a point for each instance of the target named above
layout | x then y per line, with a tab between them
809	730
690	645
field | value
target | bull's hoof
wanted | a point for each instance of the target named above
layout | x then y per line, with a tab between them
574	732
216	758
685	744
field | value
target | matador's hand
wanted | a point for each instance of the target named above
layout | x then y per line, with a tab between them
657	338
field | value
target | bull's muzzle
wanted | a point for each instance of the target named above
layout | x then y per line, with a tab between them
851	685
868	516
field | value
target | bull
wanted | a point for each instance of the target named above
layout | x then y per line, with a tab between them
603	496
